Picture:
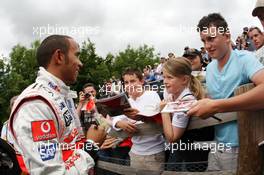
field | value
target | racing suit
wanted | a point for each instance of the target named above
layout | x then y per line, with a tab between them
46	130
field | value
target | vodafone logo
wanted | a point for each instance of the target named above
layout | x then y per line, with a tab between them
45	127
43	130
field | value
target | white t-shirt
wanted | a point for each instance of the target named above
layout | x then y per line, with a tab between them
180	119
158	72
145	145
159	68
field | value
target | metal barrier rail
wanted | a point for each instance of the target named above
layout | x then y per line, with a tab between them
127	170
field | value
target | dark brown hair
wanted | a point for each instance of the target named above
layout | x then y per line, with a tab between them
133	71
49	45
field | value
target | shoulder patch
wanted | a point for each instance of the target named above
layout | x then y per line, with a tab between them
67	118
43	130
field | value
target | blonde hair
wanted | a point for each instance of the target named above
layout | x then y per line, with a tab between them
181	66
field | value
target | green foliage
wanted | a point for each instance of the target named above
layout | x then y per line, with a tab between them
23	63
134	58
17	73
3	71
94	68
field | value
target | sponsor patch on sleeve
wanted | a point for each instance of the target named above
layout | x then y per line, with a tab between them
43	130
71	161
67	118
47	151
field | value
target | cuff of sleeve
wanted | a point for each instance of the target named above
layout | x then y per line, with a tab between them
114	124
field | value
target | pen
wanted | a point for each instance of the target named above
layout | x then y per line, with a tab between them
216	118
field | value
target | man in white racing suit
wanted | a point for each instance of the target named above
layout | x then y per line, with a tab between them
44	125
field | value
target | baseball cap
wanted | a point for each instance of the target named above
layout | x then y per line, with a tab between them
259	4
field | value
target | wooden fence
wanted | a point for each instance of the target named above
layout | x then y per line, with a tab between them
251	134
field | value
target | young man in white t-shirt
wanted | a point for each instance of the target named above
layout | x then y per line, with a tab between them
147	151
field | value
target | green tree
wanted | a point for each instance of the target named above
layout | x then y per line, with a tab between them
17	73
3	100
109	61
23	63
134	58
94	69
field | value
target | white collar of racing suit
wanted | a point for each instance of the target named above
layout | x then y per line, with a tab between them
55	83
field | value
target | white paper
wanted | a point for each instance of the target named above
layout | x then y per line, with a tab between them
178	106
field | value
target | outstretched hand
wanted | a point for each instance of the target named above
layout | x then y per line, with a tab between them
127	126
109	142
204	108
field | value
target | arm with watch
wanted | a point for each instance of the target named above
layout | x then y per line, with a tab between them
95	136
